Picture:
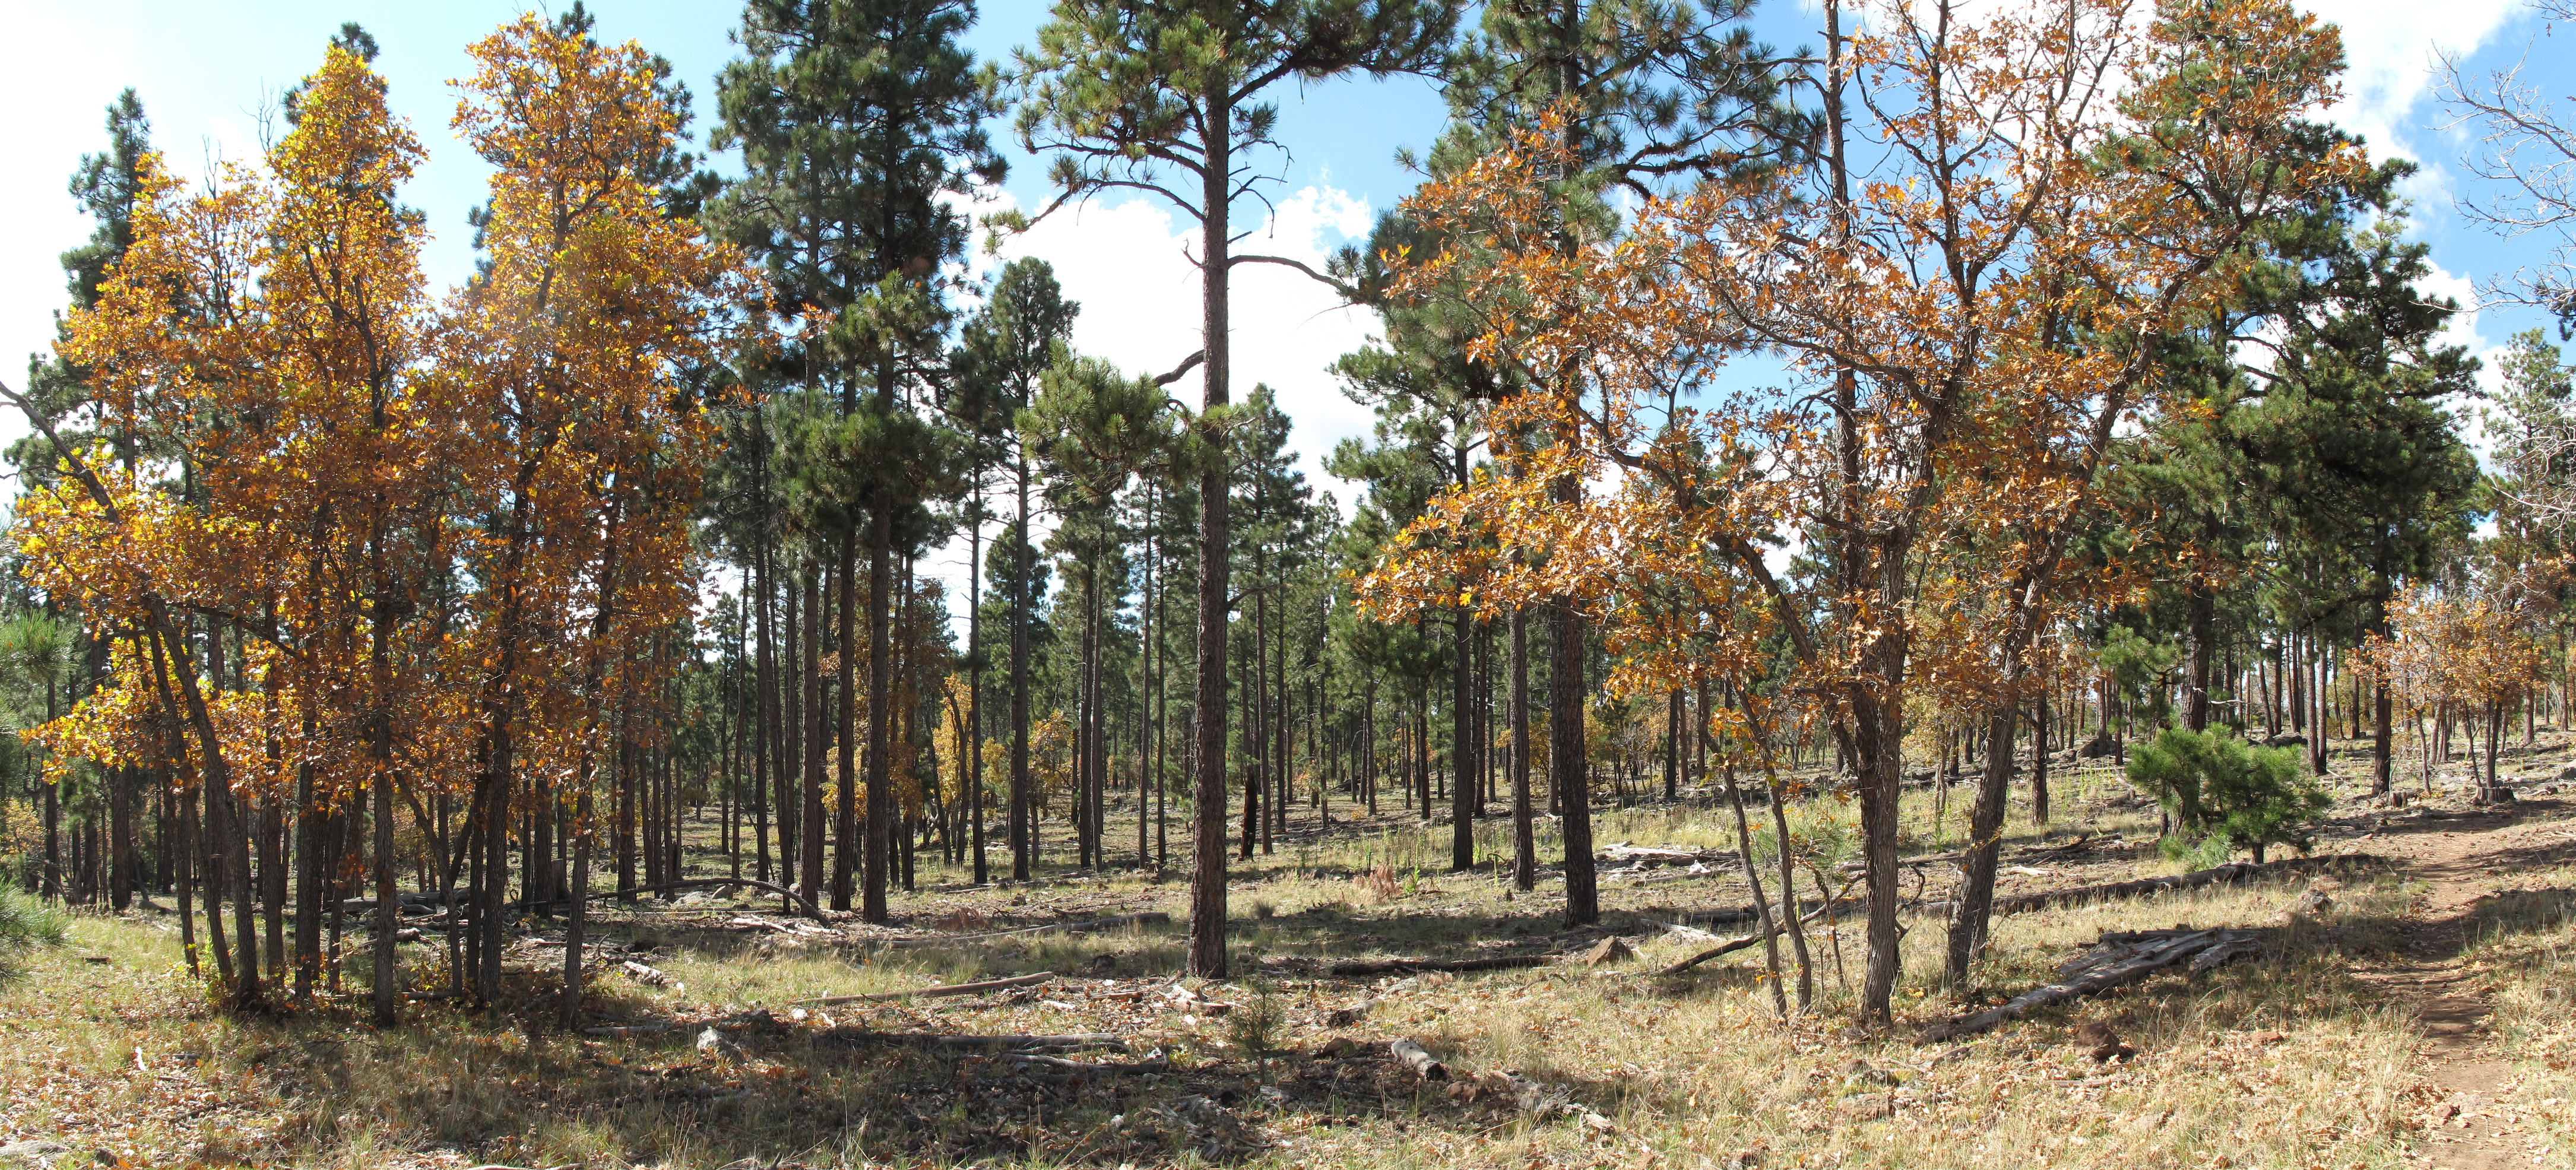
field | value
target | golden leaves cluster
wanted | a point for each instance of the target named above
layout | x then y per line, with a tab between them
417	521
1954	341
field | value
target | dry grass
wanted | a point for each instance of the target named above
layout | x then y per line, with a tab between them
2523	952
2278	1061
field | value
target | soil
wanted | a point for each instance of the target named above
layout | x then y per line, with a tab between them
2463	856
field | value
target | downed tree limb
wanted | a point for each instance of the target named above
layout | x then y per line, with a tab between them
1140	1068
2229	874
1149	916
645	973
1420	1060
811	910
946	1041
1743	914
2116	960
1728	948
1452	966
931	992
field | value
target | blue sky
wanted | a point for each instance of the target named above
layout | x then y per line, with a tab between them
204	70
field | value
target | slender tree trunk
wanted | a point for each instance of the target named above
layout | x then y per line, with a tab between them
1021	851
1462	745
1566	765
973	790
308	885
1524	837
1761	905
1975	902
2039	760
1207	956
2381	743
1779	800
764	700
577	921
810	841
853	852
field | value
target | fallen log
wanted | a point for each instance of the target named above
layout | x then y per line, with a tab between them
1452	966
1743	914
2084	844
1420	1060
1626	852
2115	960
944	1041
931	992
1140	1068
1093	924
1728	948
811	910
645	973
2229	874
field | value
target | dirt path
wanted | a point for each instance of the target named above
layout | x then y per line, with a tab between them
2463	857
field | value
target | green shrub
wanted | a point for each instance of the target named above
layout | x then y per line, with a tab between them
26	921
2215	785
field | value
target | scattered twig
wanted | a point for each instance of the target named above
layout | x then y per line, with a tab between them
1140	1068
943	1040
816	912
1454	966
1094	924
929	992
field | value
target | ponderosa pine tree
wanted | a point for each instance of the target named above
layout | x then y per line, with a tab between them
1169	97
856	118
1003	351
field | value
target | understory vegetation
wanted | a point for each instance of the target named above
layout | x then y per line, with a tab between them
1949	594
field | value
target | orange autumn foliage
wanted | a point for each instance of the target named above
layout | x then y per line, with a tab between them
1958	320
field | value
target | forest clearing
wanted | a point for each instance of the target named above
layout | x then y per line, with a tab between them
2407	1007
1898	583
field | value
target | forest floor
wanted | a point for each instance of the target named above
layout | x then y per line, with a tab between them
2410	1007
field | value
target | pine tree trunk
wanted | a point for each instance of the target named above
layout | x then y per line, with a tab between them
1021	851
810	843
765	715
1462	741
1207	956
854	837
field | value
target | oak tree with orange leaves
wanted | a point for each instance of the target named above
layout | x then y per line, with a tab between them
1961	316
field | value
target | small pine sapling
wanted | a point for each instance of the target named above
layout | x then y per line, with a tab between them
2218	786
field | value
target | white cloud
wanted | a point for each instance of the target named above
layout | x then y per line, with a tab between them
2390	50
50	77
2462	330
1129	263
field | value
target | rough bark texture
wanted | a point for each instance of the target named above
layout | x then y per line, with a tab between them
1207	874
1524	841
1985	846
2116	960
1566	766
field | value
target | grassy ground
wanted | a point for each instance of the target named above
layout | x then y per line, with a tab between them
2282	1060
2523	952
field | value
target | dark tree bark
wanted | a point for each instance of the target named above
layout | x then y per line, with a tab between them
1207	956
1524	840
1566	765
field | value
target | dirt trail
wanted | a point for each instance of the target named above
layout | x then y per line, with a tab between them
2462	857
